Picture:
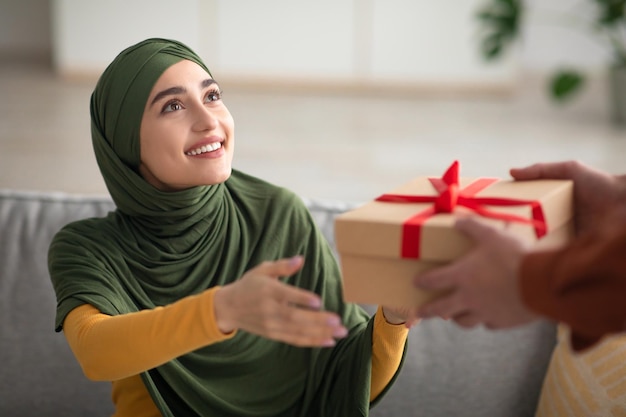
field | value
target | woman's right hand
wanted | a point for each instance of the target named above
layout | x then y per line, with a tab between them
261	304
595	192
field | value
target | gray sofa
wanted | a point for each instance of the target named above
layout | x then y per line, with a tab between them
448	371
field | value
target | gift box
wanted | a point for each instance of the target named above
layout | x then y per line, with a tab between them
384	244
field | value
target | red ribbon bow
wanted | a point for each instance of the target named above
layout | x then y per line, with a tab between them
450	196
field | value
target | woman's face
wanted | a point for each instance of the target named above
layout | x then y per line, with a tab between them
187	133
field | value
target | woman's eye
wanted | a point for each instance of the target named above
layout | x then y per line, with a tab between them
214	95
173	106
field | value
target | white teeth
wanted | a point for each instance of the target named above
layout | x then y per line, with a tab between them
205	148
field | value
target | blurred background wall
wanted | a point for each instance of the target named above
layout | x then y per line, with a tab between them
422	44
26	31
337	99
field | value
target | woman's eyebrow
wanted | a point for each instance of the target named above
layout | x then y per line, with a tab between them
207	82
179	90
168	92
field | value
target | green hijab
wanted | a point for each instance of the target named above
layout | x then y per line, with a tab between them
158	247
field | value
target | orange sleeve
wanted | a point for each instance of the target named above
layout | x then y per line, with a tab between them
387	348
109	348
582	285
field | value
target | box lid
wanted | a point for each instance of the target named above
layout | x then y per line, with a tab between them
376	228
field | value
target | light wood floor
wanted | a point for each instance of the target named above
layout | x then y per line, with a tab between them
349	147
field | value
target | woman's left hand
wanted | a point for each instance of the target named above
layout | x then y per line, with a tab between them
401	315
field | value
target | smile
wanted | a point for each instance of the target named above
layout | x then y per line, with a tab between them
204	149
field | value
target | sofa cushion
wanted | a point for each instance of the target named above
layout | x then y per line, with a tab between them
40	376
452	371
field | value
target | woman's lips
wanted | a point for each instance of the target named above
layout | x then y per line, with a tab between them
207	148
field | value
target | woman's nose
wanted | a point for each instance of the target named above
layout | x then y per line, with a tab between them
204	118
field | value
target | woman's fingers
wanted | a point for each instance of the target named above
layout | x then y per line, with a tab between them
301	327
261	304
283	268
293	324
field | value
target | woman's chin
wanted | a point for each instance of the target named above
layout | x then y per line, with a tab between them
217	178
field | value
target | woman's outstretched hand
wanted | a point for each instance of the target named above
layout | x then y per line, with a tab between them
261	304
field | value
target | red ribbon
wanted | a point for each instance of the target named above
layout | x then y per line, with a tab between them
450	196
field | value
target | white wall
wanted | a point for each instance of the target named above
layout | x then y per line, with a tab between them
25	29
558	33
434	41
88	34
423	40
408	41
285	37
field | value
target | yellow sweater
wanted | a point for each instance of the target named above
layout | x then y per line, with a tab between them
119	348
588	383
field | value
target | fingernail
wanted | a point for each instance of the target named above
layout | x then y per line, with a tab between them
334	321
315	303
295	260
340	332
328	343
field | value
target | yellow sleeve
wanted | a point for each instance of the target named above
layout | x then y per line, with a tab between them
109	348
387	347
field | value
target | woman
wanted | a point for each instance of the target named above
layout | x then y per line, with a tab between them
207	292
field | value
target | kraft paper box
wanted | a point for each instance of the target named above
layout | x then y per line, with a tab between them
370	238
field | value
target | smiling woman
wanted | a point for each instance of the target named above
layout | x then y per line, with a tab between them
175	296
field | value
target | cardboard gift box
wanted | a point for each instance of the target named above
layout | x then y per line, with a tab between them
384	244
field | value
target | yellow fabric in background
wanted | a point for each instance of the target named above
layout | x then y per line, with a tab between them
587	384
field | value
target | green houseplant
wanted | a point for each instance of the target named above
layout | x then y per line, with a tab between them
501	24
